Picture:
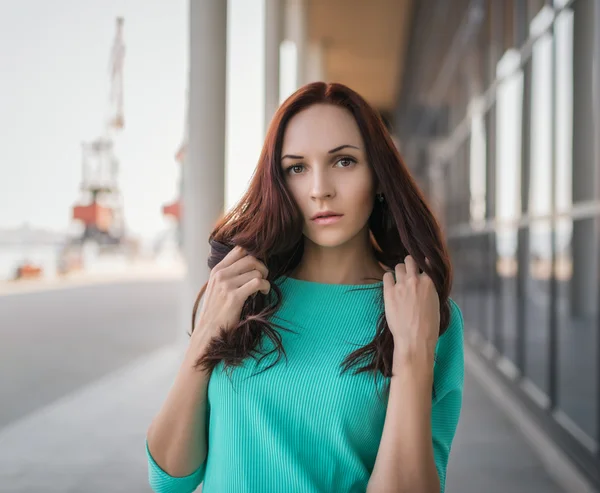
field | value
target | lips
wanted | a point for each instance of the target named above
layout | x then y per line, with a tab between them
325	214
328	215
327	220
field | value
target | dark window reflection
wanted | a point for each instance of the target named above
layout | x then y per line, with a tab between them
537	311
507	269
576	268
489	292
472	280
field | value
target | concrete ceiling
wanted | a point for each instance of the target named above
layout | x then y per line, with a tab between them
364	44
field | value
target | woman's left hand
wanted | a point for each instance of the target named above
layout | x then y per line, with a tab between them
412	310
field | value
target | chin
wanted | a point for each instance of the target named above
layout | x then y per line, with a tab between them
330	239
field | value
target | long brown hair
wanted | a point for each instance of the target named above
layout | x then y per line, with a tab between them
268	224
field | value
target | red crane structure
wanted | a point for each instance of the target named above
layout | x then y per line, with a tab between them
100	208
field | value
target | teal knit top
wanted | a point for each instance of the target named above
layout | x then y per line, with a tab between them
302	425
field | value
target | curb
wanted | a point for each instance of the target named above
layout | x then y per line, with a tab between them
8	288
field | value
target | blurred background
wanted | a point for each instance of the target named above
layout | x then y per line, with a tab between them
118	116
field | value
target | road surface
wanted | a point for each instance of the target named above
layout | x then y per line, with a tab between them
57	341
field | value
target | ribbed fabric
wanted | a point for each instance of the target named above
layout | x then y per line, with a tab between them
301	426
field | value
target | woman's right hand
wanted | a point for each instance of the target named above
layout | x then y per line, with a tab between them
235	278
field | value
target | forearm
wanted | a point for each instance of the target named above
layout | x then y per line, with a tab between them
177	435
405	460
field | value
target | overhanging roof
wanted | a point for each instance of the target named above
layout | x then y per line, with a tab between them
364	44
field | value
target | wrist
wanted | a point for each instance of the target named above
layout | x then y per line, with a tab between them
200	338
197	347
420	358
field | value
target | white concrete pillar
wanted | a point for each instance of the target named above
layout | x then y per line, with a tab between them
273	37
295	30
245	94
203	169
315	63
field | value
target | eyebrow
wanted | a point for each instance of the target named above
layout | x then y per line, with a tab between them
336	149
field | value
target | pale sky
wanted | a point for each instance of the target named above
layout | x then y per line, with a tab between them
54	92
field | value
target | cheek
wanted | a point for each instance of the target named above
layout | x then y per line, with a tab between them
295	187
362	195
364	205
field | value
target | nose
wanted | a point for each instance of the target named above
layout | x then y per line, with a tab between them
322	186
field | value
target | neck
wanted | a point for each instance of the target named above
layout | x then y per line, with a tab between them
351	263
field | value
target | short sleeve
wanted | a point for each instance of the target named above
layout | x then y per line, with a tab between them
162	482
448	386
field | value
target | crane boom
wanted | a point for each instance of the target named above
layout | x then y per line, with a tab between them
117	118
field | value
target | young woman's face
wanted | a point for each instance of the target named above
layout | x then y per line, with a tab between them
326	169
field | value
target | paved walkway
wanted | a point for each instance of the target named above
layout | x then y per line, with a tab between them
93	440
489	455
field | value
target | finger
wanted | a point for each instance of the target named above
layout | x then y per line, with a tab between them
412	269
233	256
253	286
245	277
400	272
428	262
388	279
265	287
388	283
247	264
260	266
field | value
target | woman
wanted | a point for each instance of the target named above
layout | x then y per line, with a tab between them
331	262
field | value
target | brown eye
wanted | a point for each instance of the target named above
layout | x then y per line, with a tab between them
346	162
297	168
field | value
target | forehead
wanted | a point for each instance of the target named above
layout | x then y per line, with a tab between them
321	127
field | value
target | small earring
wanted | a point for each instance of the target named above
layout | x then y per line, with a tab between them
380	197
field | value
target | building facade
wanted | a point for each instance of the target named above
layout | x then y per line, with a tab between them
500	119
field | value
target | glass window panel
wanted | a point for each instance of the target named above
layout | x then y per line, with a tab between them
508	134
537	292
508	188
577	289
540	247
507	270
563	29
477	168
